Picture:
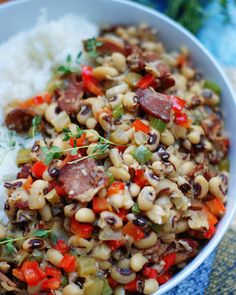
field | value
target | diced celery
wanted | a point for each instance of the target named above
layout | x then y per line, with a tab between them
52	197
158	124
213	86
106	288
93	287
142	154
118	112
135	209
23	156
224	165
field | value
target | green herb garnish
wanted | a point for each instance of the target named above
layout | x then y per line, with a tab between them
51	153
90	45
106	290
53	237
41	233
35	124
135	209
68	134
68	67
118	112
213	86
158	124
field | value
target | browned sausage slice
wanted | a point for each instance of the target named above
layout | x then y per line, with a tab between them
70	99
83	180
155	104
109	46
19	120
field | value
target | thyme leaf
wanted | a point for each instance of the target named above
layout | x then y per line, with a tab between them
90	45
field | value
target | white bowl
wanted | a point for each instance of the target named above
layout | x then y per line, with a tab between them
20	15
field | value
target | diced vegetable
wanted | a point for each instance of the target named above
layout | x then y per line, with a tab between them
169	260
212	220
139	178
53	272
68	263
32	272
23	156
52	197
182	119
74	142
37	100
28	183
115	244
94	287
100	204
216	206
51	284
133	231
111	178
18	273
38	169
178	103
164	278
224	165
140	126
213	86
135	209
158	124
116	188
62	247
83	230
122	213
118	112
132	286
106	288
150	272
86	266
211	231
145	81
90	83
142	154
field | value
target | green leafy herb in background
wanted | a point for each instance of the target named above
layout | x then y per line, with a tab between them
68	67
35	124
90	45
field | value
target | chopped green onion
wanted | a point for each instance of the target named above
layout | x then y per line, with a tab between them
213	86
118	112
142	154
110	178
106	290
135	209
224	165
158	124
157	228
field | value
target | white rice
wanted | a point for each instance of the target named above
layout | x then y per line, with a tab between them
27	61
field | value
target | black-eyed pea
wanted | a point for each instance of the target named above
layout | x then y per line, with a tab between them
153	140
166	184
128	201
84	244
104	72
218	186
122	88
181	227
117	200
179	131
119	61
120	173
97	103
84	114
36	198
33	243
122	275
202	186
121	136
130	149
91	123
187	72
3	231
146	198
85	215
115	100
195	134
158	167
119	291
101	251
124	263
186	168
167	238
54	256
150	286
148	241
58	120
130	101
72	289
164	202
46	213
102	193
60	143
104	265
115	157
128	159
167	138
157	214
134	190
92	136
137	261
105	121
69	210
207	145
187	144
175	161
111	219
210	98
151	178
4	266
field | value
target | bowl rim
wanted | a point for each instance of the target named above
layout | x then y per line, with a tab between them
213	243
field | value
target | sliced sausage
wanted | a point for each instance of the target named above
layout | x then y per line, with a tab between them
83	179
109	46
70	98
19	120
155	104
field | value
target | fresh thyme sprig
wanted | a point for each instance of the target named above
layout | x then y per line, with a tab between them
51	153
67	68
90	46
9	241
35	124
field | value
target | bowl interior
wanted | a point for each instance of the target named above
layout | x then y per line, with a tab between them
22	15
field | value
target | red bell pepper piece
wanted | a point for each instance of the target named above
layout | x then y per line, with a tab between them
18	273
212	220
182	119
145	81
169	260
178	103
133	231
140	126
68	263
90	83
150	273
58	187
74	142
122	214
114	244
37	100
132	286
83	230
164	278
53	272
32	272
112	283
51	284
115	188
215	206
38	169
139	178
100	204
62	247
211	231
